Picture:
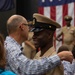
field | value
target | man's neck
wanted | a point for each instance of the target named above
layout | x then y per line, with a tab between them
16	38
43	50
69	25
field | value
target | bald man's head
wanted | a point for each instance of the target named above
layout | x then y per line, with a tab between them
13	22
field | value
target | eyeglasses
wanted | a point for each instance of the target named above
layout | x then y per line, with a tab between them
25	24
30	27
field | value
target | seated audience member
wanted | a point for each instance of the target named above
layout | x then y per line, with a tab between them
63	48
18	28
73	63
68	67
3	59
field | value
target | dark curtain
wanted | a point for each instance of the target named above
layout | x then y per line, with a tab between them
6	10
26	8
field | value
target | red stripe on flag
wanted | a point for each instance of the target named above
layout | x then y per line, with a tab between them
65	12
53	12
53	16
41	10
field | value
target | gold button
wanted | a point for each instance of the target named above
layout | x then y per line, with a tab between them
49	26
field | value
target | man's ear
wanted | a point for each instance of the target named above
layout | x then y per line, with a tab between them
21	27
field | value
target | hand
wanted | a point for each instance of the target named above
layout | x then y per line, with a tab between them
66	55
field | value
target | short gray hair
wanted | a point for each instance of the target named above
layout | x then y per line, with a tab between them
13	22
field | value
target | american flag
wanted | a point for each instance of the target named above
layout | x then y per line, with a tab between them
57	9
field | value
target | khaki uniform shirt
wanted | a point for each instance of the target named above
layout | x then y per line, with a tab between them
68	36
58	70
29	51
